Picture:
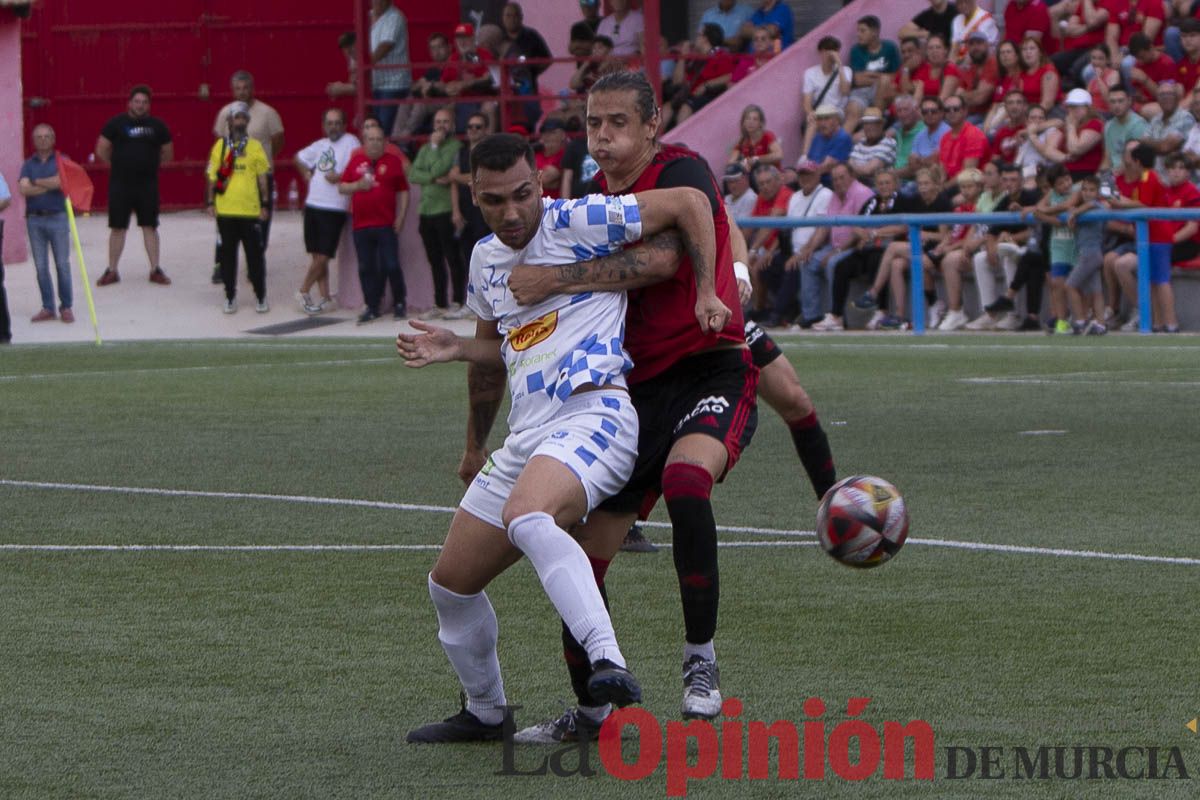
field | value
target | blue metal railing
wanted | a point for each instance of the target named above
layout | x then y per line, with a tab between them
1140	217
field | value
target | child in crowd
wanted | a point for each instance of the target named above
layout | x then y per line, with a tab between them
1058	200
1089	259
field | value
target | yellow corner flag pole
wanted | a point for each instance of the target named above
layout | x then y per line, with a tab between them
87	284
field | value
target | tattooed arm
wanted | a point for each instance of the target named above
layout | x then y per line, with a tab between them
652	261
486	385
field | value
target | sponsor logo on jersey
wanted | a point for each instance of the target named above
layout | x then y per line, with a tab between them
532	333
715	406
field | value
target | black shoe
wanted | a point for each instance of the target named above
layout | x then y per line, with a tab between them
216	276
612	684
367	316
462	727
636	541
1030	324
400	311
999	306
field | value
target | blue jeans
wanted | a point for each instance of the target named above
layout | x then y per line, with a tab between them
386	114
379	260
53	233
816	282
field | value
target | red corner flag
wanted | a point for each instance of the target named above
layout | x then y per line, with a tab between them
76	184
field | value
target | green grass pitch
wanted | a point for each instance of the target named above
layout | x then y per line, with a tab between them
295	673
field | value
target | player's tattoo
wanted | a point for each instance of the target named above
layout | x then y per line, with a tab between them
485	392
627	269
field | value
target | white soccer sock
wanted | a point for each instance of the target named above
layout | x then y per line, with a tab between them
705	651
468	632
569	582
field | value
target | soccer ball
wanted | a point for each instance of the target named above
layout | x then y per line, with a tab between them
862	521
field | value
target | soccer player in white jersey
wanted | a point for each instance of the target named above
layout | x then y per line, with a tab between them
572	430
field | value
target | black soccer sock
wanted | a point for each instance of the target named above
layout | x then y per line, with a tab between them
812	445
686	490
578	665
930	296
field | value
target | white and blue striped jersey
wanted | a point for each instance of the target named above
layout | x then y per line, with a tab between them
566	341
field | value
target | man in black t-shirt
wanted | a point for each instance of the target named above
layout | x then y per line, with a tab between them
584	31
935	19
136	144
578	169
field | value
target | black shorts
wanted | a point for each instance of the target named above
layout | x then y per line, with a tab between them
1184	251
712	393
323	230
126	199
762	347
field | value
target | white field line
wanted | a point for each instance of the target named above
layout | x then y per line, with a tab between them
338	362
792	534
293	548
1060	382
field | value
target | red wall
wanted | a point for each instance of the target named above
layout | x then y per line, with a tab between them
80	59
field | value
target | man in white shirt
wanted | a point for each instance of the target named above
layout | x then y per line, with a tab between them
573	430
971	18
321	165
624	26
810	200
740	198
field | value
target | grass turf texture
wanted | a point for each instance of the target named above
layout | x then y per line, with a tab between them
296	674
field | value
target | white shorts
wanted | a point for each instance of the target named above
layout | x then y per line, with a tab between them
595	435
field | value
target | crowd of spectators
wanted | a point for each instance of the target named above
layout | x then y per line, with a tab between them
960	111
1049	110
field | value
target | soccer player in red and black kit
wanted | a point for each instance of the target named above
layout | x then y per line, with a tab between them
695	393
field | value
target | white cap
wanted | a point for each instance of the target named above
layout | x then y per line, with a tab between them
1079	97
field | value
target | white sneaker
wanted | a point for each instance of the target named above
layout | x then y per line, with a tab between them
701	689
456	311
936	312
1009	322
1132	325
953	321
433	313
230	306
984	322
572	726
829	323
305	300
261	306
874	322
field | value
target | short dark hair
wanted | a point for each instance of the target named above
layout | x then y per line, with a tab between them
1007	168
501	151
913	40
1120	87
937	101
829	43
871	21
628	81
1144	154
1092	180
438	35
1056	171
714	34
1175	160
1139	43
141	88
347	39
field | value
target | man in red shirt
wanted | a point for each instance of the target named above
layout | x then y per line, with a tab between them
1187	71
963	145
773	199
379	202
1010	136
1140	187
550	157
468	73
694	391
1150	68
978	75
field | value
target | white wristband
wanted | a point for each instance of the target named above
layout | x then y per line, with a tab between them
741	271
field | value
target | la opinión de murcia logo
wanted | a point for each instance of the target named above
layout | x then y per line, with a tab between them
733	749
